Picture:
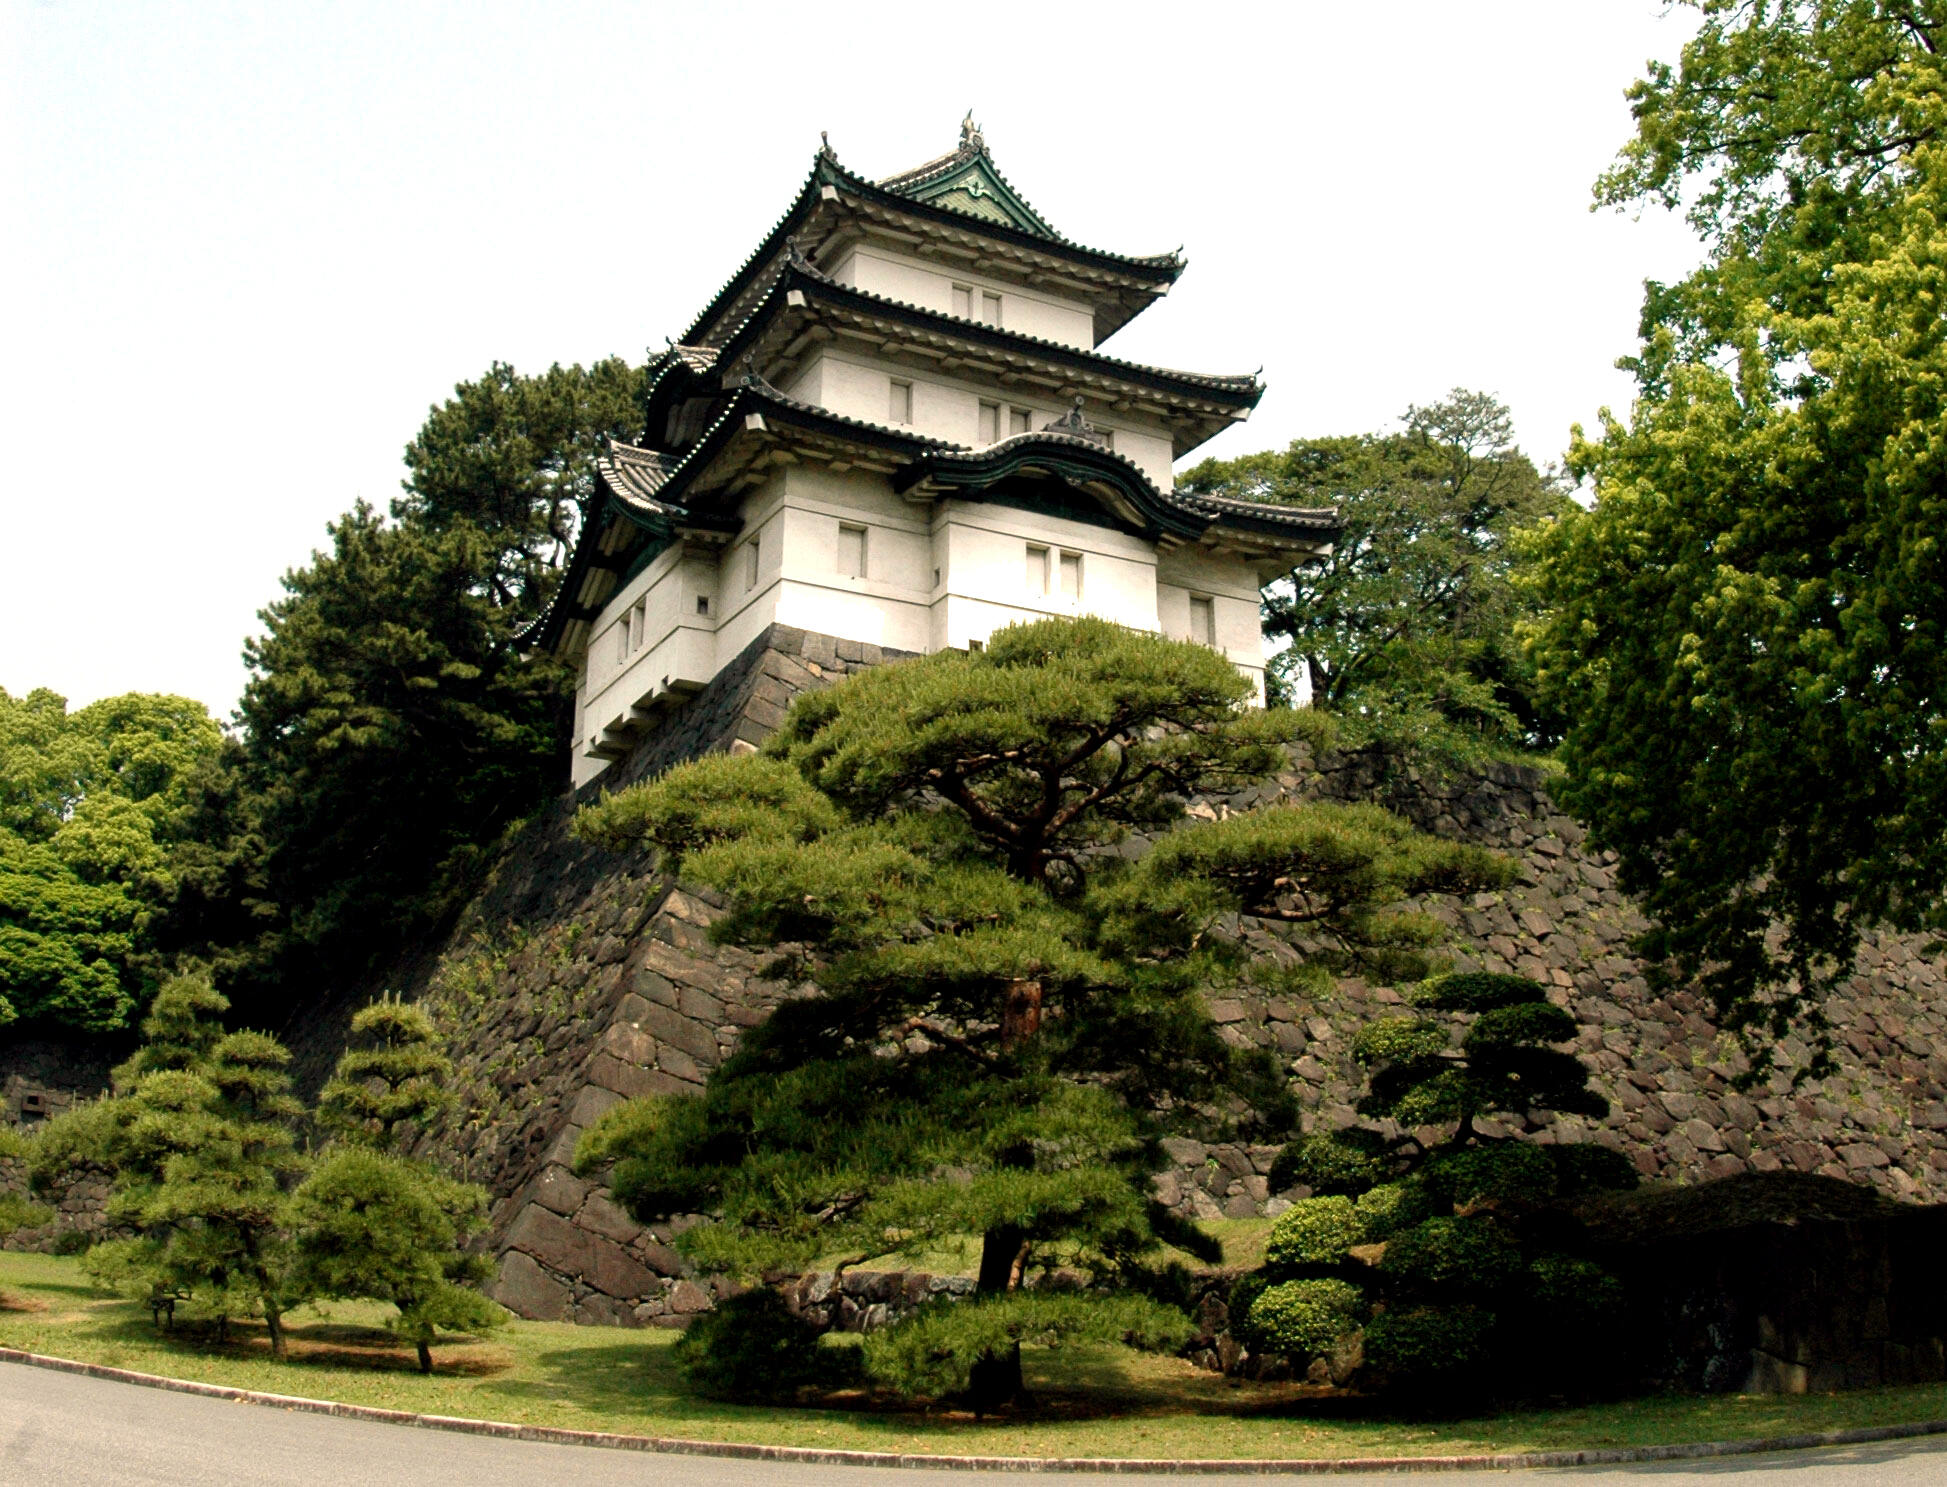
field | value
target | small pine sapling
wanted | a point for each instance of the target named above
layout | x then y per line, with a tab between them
370	1222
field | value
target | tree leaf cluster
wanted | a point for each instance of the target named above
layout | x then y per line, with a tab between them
1745	630
1404	631
97	851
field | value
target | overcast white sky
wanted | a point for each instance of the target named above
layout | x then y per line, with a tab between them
246	246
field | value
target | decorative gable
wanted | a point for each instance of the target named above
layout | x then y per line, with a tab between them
968	181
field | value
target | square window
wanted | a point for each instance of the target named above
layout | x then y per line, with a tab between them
702	603
1037	570
1071	575
1020	421
900	406
963	301
851	550
621	640
990	308
638	618
750	565
1203	620
990	423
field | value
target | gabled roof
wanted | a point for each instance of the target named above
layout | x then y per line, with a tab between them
967	180
1208	402
659	497
830	189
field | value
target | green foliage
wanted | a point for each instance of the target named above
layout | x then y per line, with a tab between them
1348	1162
1392	1206
1476	991
391	732
1504	1172
1302	1318
753	1347
1452	1256
1313	1231
203	1157
1746	628
96	834
1403	632
367	1222
1587	1168
1007	1015
1429	1347
1573	1294
371	1224
932	1355
393	1087
20	1212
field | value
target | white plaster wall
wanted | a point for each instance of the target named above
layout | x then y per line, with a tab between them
929	283
981	552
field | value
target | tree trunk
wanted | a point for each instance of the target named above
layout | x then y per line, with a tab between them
425	1358
274	1320
995	1379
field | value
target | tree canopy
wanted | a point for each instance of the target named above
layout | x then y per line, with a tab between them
1008	1013
1405	630
391	727
1746	630
96	832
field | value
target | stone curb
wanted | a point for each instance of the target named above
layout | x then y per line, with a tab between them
671	1445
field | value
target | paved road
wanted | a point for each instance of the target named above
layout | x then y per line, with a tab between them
70	1431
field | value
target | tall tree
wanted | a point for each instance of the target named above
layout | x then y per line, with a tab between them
1008	1014
392	730
515	457
1746	630
96	830
1405	630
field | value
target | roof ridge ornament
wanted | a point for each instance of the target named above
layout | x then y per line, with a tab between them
825	150
1074	423
970	135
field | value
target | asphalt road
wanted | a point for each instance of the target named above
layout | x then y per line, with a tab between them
64	1430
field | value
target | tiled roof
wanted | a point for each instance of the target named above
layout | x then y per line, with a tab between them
1233	389
1160	269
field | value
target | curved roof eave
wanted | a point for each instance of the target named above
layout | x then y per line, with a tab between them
1161	269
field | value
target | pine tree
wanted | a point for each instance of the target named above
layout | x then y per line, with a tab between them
372	1223
1008	1014
1457	1274
200	1138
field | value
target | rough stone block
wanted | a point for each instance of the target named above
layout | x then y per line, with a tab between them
558	1190
527	1290
591	1104
605	1071
604	1216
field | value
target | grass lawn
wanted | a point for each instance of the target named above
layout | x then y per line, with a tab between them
1096	1402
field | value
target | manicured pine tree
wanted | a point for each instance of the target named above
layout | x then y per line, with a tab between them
1008	1014
370	1222
201	1141
1459	1274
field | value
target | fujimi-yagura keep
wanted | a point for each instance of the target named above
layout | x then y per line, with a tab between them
894	426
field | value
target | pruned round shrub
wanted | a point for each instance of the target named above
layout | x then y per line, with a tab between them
1347	1162
1385	1210
1428	1344
1243	1296
1588	1168
1506	1172
1302	1318
1525	1023
1461	1256
752	1347
1571	1294
1398	1038
1314	1231
1476	991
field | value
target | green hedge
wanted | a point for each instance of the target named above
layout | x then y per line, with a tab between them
1457	1256
1314	1231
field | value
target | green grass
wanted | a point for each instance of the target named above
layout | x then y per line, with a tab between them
1099	1402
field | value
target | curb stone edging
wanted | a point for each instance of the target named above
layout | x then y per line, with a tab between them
677	1446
